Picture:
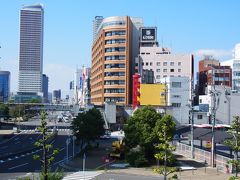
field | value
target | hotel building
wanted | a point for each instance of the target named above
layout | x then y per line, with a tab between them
113	52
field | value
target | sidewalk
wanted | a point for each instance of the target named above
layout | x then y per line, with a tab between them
94	160
201	172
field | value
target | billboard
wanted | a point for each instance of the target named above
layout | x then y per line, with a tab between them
149	34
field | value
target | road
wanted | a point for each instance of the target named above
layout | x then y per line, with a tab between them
24	162
18	143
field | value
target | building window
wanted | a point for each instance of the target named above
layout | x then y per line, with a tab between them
114	82
200	116
164	63
158	70
114	33
114	74
176	96
115	49
176	84
179	63
164	76
176	104
150	63
117	57
158	77
171	63
200	100
179	70
171	70
146	63
164	70
114	99
158	63
120	90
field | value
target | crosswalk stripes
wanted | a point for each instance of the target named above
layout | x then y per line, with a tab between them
32	130
87	175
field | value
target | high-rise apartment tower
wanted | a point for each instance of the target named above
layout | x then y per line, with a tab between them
31	49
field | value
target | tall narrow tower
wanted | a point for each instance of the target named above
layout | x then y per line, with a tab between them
31	49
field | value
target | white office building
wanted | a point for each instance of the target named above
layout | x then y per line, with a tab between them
235	65
236	68
31	49
178	97
96	23
227	103
80	87
164	64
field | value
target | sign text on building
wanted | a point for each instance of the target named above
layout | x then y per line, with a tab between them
148	34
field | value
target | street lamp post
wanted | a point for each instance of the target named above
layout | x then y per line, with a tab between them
84	159
74	138
67	143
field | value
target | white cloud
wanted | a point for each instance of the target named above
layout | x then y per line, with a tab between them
216	53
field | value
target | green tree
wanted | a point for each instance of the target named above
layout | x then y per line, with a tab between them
165	129
88	126
139	130
48	152
17	111
35	100
4	109
234	143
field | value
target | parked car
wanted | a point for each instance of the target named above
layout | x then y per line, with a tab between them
60	118
65	119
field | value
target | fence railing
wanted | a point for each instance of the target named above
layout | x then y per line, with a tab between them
203	156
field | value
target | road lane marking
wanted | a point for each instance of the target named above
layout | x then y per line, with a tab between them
18	166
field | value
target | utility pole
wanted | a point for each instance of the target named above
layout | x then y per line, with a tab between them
213	116
213	119
165	96
192	118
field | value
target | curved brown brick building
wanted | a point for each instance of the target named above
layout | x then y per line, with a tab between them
113	51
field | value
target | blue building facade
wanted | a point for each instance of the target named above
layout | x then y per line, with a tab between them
4	86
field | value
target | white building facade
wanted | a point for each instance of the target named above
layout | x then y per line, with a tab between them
80	87
236	68
31	49
178	97
227	103
163	63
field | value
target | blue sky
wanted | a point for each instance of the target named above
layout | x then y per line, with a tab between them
187	26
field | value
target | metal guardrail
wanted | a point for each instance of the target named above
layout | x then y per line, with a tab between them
203	156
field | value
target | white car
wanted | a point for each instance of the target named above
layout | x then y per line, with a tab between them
65	119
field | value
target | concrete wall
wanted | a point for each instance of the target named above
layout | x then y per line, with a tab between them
110	111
